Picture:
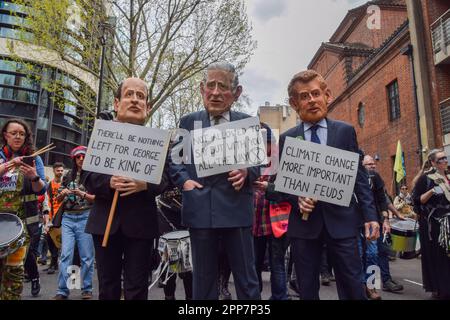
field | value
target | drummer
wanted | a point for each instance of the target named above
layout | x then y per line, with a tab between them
20	183
431	196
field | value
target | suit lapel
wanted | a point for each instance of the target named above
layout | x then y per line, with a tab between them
204	117
331	133
301	131
232	116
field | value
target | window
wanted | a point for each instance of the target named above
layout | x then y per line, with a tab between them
12	7
394	101
19	95
58	157
18	81
17	109
66	120
361	114
445	117
64	134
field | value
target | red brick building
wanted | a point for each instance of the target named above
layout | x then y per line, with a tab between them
370	75
430	35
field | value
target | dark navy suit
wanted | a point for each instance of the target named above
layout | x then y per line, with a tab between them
333	224
214	211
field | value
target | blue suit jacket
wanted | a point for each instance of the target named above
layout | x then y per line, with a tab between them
340	222
217	205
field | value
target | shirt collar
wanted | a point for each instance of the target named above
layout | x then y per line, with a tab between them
225	115
322	123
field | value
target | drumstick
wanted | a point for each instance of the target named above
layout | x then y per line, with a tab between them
110	219
175	200
42	150
37	153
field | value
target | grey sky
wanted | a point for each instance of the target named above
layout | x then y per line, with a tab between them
289	32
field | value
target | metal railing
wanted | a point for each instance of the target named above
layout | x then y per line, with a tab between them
440	33
445	116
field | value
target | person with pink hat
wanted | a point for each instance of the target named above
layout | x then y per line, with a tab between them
77	203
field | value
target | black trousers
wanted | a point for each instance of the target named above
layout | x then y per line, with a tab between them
133	256
238	243
224	266
344	257
52	247
170	287
30	264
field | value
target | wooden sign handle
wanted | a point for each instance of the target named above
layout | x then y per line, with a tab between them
112	211
305	216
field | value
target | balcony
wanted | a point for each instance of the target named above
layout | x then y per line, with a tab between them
440	33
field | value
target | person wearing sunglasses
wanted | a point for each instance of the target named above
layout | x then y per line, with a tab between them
431	196
77	203
403	203
22	179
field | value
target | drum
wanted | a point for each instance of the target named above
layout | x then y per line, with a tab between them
175	249
404	235
12	234
55	234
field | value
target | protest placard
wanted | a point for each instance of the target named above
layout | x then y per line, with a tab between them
127	150
229	146
317	171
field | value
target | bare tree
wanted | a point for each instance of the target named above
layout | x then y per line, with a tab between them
165	42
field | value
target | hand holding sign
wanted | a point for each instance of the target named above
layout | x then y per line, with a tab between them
127	185
228	147
130	154
306	206
237	178
317	172
261	185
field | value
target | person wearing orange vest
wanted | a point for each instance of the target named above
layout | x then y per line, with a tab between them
269	230
55	204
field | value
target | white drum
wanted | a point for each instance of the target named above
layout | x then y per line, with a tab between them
12	234
175	249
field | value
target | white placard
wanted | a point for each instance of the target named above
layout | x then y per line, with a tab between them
317	171
228	146
127	150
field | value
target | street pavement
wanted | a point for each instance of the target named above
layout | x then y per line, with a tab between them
406	272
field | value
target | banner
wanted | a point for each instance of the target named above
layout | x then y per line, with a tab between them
399	166
127	150
317	171
229	146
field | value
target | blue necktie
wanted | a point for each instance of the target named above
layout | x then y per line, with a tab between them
314	136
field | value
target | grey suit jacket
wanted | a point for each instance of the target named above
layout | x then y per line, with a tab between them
217	205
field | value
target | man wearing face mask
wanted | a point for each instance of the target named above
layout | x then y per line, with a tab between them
220	207
135	223
334	225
